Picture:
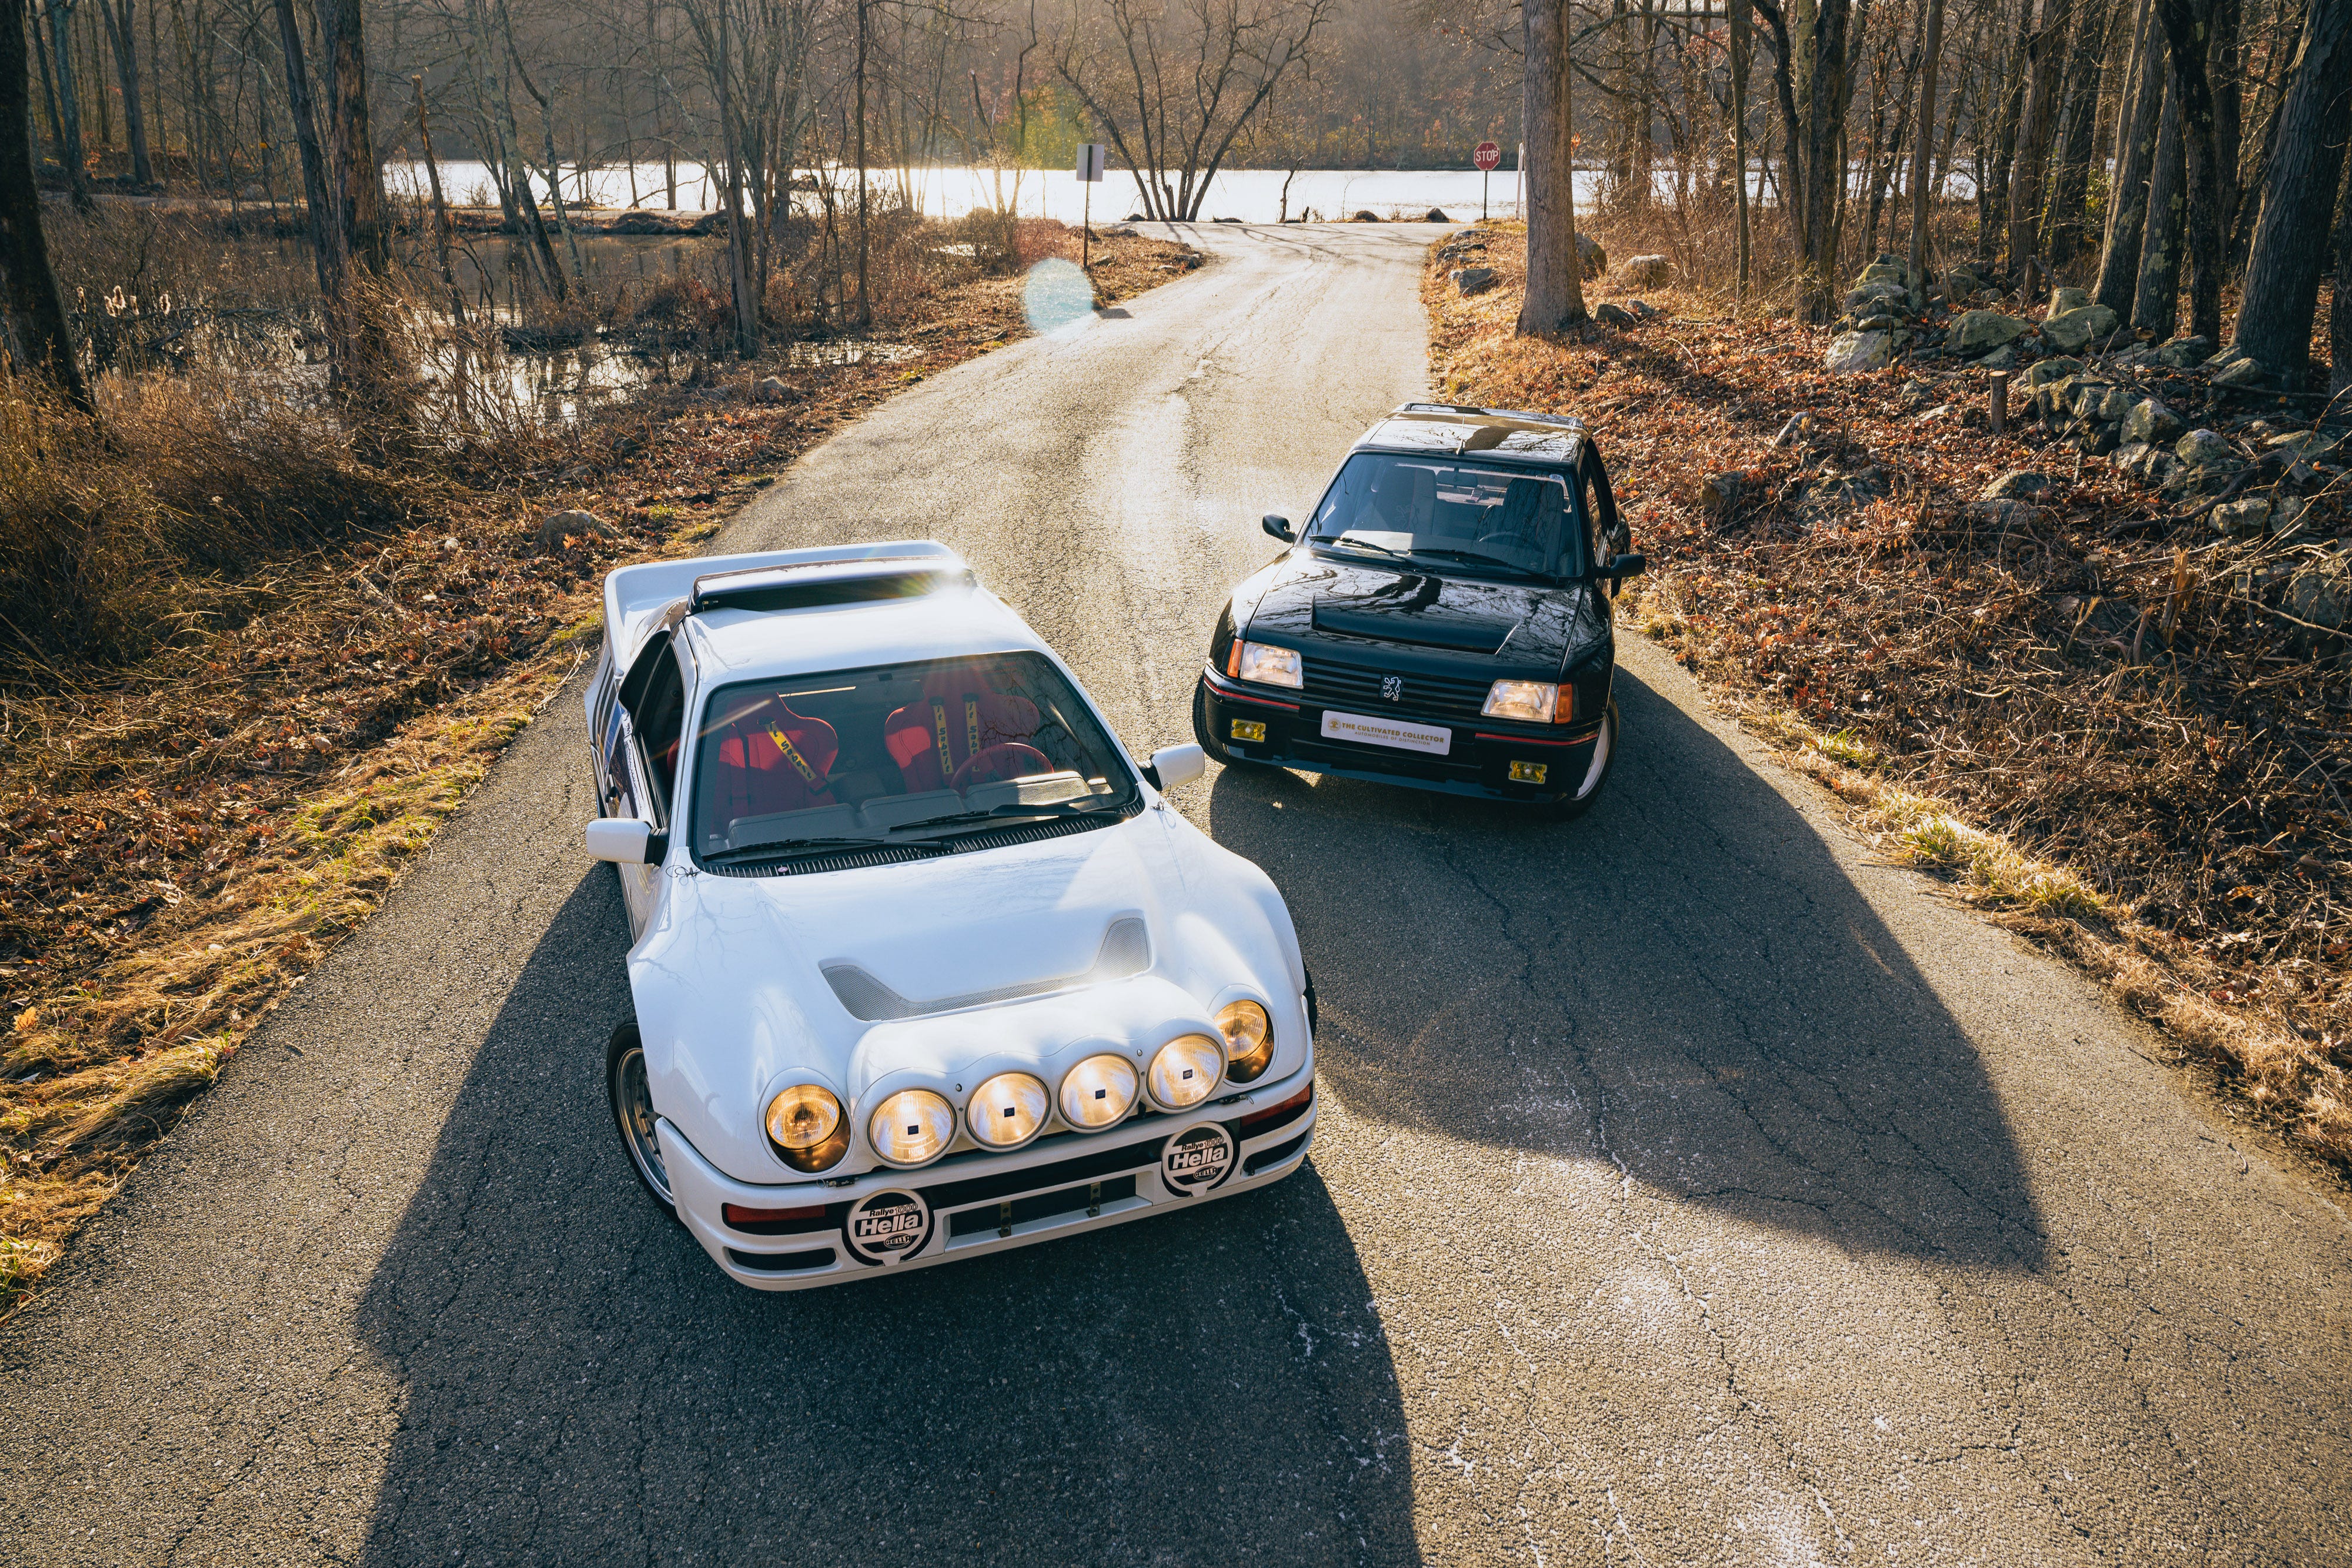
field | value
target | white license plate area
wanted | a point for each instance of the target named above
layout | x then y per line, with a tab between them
1365	730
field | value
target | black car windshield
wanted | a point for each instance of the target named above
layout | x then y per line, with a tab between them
896	754
1450	513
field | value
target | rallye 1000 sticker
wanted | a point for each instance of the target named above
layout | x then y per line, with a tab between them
886	1227
1197	1159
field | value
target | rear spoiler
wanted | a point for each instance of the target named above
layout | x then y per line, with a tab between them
638	597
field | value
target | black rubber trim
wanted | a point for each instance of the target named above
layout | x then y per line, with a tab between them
1085	1168
1265	1158
782	1262
1040	1206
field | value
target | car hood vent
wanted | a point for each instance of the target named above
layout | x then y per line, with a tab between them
1460	633
1126	951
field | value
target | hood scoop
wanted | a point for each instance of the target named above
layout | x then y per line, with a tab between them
1405	625
1126	951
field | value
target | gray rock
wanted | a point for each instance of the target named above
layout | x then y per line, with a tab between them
2002	358
2207	449
1609	315
2062	300
1435	216
575	525
2073	331
1862	295
2182	353
2114	405
1474	279
2018	485
2151	421
2000	513
772	390
1365	216
1854	353
1647	272
2320	596
2051	371
2244	374
2308	445
1589	254
1980	331
1718	493
1961	283
2290	518
2131	457
2242	518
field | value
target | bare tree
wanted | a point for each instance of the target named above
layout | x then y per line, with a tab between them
1555	294
36	314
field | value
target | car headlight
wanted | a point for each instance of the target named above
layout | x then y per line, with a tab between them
807	1128
1007	1111
913	1127
1269	666
1097	1091
1530	702
1185	1072
1249	1040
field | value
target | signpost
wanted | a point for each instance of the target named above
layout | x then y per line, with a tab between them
1093	156
1486	156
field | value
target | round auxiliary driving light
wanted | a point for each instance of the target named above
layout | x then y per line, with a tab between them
1007	1111
807	1128
913	1127
1249	1040
1097	1091
1185	1072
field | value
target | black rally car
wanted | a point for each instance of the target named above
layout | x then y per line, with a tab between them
1442	619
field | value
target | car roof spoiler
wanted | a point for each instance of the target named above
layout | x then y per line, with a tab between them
637	598
801	585
1566	420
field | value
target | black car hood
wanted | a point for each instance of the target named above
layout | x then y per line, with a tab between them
1529	628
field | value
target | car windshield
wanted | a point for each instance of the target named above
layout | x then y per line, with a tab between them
1450	513
897	754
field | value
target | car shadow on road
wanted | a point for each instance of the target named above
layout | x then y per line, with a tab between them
583	1385
1683	982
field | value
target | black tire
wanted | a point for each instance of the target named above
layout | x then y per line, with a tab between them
633	1116
1209	742
1568	810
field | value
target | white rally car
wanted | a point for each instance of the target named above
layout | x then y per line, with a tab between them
923	965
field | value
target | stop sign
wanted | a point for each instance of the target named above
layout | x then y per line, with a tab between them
1487	155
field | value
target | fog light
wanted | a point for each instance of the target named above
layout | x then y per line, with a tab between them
912	1127
1007	1111
1528	772
1249	1040
1248	729
807	1129
1186	1071
1097	1091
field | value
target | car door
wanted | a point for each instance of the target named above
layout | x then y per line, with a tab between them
648	736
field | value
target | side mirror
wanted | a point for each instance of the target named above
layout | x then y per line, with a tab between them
1174	765
626	841
1620	568
1279	527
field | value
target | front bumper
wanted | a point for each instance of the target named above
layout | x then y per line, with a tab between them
1056	1186
1480	761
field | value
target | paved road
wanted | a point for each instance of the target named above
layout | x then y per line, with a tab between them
1690	1189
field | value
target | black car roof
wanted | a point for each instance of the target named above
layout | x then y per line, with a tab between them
1451	428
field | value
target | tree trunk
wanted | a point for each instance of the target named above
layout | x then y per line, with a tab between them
2340	322
36	316
1924	143
2070	183
359	180
326	236
746	307
69	152
1993	201
2306	163
2221	69
1743	45
1825	107
865	300
2137	128
2190	25
122	33
1555	295
2156	306
2045	67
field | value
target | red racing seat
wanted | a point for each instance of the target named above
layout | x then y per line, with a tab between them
771	759
963	731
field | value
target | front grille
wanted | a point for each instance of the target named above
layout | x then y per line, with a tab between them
1041	1205
1356	688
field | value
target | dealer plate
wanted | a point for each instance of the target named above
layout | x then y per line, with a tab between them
1365	730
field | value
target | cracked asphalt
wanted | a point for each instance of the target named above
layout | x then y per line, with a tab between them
1690	1188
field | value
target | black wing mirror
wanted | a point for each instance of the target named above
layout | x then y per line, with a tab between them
1620	568
1279	527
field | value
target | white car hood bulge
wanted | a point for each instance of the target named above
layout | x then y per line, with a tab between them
734	1003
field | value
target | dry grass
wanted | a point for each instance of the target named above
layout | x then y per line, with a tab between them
224	748
2078	717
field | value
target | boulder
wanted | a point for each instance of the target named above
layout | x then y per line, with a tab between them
574	525
2243	375
2182	353
2115	405
2321	597
1614	316
772	391
1850	353
1435	216
2002	358
2243	519
1589	254
2131	457
2207	450
1365	216
1648	272
2051	371
1861	295
1717	493
2000	513
1962	283
2151	423
1981	331
2017	485
2309	446
2073	331
2062	300
2290	518
1474	279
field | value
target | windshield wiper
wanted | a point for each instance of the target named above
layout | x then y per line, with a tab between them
772	848
1476	559
1343	542
999	813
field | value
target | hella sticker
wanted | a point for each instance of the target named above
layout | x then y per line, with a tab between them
886	1227
1197	1159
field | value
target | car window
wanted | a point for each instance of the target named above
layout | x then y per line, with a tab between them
654	696
1608	534
896	750
1450	513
